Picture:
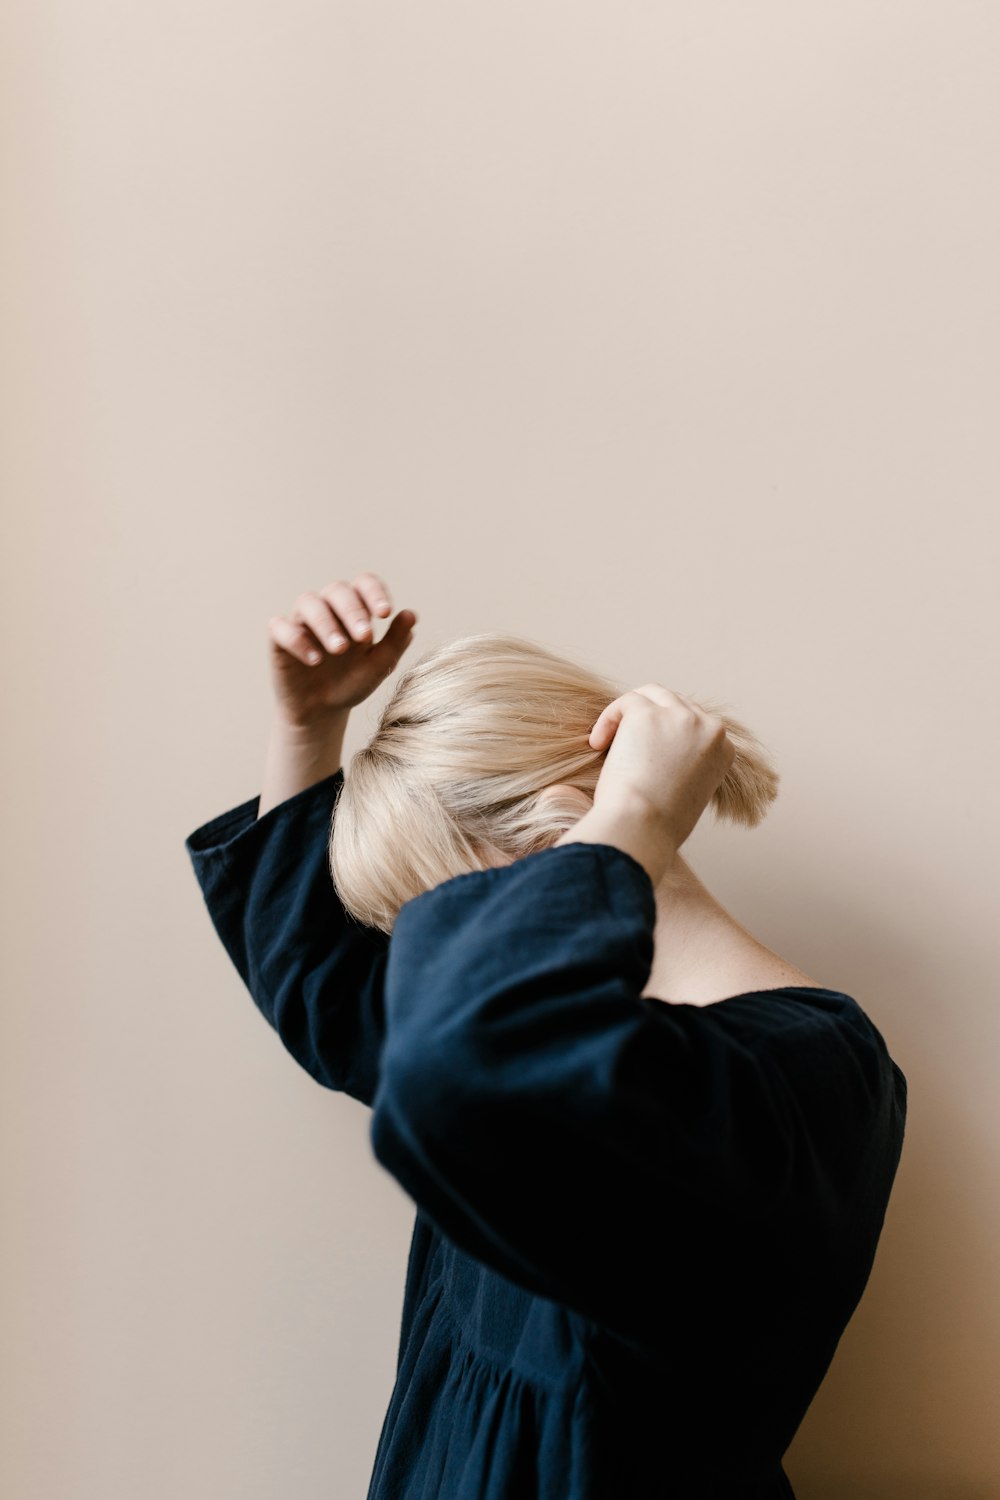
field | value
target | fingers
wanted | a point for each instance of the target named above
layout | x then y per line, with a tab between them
667	697
395	641
314	610
651	692
339	616
355	603
373	592
611	716
295	639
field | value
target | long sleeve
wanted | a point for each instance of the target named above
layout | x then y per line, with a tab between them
589	1143
314	972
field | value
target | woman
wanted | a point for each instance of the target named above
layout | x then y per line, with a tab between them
650	1159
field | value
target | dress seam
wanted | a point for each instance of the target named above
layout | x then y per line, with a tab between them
552	1385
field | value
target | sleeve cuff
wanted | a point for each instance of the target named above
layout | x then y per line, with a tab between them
221	834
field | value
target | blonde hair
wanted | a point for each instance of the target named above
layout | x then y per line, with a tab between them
449	782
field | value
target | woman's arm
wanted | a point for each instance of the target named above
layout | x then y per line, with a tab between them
324	661
315	974
263	866
299	755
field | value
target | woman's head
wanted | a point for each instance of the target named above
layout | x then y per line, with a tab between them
454	777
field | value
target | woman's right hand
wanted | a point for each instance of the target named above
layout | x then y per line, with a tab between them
324	659
665	758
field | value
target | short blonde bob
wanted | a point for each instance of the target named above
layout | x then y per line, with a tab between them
449	782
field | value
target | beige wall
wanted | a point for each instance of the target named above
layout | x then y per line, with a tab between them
665	334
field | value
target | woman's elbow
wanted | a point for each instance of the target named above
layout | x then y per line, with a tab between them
424	1104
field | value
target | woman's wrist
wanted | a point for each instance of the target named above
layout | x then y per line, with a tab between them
299	755
635	830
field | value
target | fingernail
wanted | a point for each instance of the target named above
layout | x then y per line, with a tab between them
335	640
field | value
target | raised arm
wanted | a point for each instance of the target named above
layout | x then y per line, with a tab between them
315	975
263	866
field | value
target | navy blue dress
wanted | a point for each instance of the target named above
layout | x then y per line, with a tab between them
641	1228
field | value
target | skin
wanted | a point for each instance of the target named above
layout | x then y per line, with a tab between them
313	698
664	759
701	953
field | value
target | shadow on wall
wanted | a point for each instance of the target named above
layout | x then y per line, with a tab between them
914	1379
900	1487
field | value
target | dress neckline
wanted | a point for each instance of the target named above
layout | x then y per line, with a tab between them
780	989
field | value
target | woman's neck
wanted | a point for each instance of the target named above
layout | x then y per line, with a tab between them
701	953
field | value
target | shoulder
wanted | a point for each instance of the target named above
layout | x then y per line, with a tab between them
819	1045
